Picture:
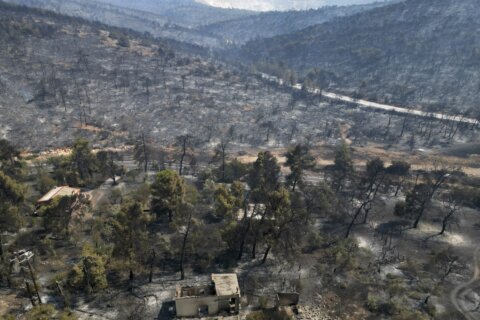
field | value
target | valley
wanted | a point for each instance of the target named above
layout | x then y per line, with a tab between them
148	149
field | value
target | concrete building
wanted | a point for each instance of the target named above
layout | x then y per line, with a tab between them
221	296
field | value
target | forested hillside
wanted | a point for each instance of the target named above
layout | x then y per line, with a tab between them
412	53
269	24
192	22
188	13
283	5
126	17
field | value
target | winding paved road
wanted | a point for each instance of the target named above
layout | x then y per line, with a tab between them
375	105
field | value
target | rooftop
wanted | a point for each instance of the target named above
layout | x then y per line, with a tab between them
58	192
194	291
222	285
226	284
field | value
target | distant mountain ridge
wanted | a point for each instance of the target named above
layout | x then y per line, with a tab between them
187	13
415	52
192	22
282	5
138	20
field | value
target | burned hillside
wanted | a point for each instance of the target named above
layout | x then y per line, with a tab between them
139	180
63	77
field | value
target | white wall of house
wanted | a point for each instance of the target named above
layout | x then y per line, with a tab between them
188	306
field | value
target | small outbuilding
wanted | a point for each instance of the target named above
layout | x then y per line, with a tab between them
222	295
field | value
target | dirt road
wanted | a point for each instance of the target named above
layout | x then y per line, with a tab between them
464	297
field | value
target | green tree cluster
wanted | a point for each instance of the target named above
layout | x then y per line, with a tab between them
264	176
228	200
58	214
12	195
89	274
168	193
343	165
82	166
130	235
299	159
10	162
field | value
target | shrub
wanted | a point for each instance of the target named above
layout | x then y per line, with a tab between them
430	309
48	312
391	307
415	295
373	303
395	287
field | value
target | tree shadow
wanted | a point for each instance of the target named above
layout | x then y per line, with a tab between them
167	311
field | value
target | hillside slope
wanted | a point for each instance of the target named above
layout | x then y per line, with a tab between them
187	13
270	24
417	52
282	5
64	77
125	17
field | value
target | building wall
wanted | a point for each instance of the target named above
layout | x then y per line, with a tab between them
188	307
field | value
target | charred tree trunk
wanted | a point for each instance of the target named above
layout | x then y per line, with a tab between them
2	258
352	223
446	220
184	153
145	157
403	127
255	239
184	245
421	211
265	255
152	262
131	277
294	186
247	229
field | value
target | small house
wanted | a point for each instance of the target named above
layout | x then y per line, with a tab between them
57	192
221	296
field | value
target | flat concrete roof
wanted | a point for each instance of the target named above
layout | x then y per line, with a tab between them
226	284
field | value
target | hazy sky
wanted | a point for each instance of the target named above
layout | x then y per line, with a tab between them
265	5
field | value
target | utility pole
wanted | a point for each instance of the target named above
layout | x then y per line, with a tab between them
29	291
24	256
30	268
